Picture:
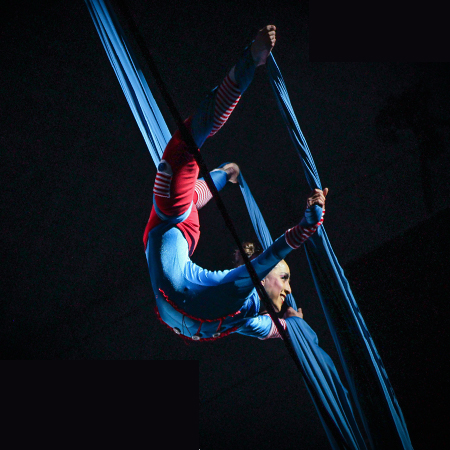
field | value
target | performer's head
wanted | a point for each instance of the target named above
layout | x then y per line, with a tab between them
276	282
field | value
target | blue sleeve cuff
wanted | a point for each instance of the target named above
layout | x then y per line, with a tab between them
312	216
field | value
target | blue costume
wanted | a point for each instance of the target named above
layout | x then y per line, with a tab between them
195	302
333	289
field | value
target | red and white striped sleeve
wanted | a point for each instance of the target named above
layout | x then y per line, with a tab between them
297	235
227	97
273	333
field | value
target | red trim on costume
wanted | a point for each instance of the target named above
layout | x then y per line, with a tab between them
189	339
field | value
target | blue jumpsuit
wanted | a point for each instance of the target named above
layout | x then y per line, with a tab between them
194	302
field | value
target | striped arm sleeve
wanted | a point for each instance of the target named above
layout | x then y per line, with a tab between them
260	327
227	97
273	333
297	235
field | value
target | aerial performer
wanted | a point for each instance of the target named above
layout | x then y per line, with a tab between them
194	302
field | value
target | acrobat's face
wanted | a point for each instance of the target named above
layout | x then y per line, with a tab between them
277	284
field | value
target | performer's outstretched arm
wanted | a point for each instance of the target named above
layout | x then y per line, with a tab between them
262	326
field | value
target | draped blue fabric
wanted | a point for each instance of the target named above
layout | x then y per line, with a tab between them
259	225
329	278
320	370
143	106
380	414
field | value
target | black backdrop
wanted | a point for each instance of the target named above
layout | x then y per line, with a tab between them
78	182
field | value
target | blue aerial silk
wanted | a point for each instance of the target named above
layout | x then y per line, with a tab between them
381	423
131	79
366	376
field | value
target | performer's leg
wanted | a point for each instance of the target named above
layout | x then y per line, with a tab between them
227	172
174	183
175	179
178	171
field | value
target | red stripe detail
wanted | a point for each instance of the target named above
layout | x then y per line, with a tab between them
223	117
163	175
161	188
235	85
297	235
188	339
203	194
161	193
228	83
224	103
288	241
218	123
162	185
226	98
224	112
165	179
221	113
274	333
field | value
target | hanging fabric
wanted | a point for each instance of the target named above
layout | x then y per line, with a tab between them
259	225
143	106
379	410
318	367
315	362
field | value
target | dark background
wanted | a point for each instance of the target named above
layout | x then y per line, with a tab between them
78	181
